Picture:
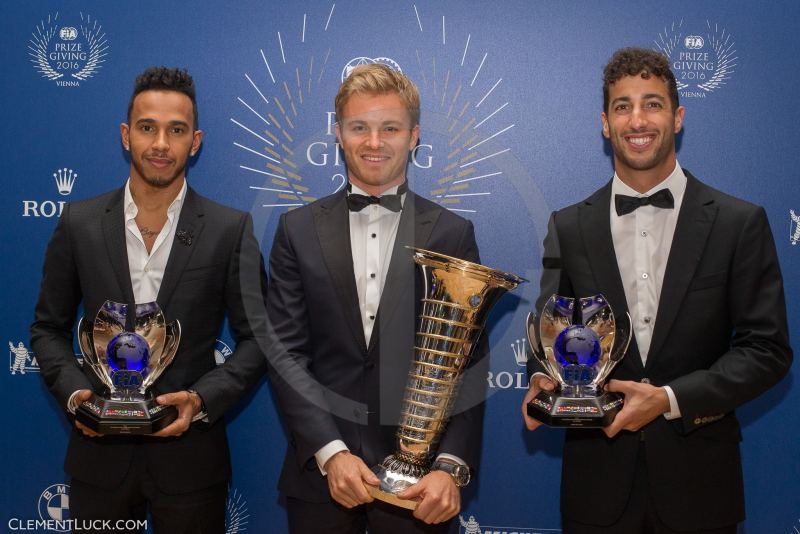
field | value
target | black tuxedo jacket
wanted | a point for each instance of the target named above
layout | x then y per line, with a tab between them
328	382
218	270
720	339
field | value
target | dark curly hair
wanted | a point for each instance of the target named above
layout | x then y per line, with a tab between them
639	62
164	79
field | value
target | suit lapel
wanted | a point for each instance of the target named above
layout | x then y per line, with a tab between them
332	222
187	239
595	228
113	224
695	220
414	230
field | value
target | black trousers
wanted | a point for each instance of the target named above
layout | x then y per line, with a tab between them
332	518
98	510
640	515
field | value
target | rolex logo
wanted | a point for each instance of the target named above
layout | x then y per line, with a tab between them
520	352
65	179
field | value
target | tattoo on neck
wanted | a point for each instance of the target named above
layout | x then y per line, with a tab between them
147	233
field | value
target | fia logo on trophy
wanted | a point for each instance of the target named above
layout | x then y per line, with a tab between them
68	50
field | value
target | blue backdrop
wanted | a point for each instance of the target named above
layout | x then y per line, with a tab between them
510	131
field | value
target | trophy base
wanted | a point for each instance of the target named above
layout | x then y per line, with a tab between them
106	416
575	412
395	475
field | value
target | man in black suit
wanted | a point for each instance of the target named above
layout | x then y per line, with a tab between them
155	239
344	297
698	272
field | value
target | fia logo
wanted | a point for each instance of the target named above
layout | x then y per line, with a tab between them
21	360
65	180
68	54
236	514
54	506
703	58
518	379
794	227
358	61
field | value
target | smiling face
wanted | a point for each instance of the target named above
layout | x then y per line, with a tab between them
641	125
376	135
160	137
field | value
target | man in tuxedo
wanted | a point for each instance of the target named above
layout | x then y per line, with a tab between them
155	239
343	300
698	272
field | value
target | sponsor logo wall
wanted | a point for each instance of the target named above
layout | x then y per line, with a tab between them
511	97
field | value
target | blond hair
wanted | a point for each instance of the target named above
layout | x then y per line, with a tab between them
375	79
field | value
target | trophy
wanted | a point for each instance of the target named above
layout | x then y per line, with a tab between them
458	297
127	363
578	358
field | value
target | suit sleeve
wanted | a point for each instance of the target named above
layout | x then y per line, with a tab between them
300	396
462	437
759	355
245	301
56	309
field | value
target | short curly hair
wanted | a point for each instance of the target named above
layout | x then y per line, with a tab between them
164	79
639	62
375	79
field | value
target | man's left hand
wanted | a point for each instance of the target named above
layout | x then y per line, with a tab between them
440	498
643	403
188	405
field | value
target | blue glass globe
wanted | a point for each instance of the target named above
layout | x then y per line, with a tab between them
577	345
128	352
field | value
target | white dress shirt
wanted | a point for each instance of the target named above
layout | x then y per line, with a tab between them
642	242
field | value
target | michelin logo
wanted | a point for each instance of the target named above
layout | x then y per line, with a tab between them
471	526
20	358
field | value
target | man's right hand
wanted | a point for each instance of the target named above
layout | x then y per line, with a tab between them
539	382
80	396
347	475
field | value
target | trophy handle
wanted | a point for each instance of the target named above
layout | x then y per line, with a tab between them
622	340
86	345
549	365
157	366
109	322
149	324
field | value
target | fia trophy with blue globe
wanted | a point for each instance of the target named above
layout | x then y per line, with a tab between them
578	349
127	363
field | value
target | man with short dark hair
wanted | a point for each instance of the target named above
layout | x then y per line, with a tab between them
155	239
698	272
344	300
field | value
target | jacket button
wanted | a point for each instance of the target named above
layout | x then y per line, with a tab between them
369	364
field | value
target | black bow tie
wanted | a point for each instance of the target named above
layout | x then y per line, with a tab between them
356	202
659	199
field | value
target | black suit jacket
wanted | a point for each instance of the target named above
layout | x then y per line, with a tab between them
328	382
217	272
720	339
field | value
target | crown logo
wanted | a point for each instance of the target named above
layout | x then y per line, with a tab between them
65	179
795	235
520	352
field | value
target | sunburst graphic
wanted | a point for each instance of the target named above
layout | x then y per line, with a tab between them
236	513
285	122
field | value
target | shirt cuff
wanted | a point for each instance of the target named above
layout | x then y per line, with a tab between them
326	453
674	410
72	404
452	458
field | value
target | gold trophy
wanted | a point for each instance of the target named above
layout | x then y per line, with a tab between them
457	300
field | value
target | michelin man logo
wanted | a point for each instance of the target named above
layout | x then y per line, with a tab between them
794	227
54	505
19	356
470	526
67	54
358	61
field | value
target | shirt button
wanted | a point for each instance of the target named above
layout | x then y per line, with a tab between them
645	276
371	317
372	275
374	236
647	320
644	233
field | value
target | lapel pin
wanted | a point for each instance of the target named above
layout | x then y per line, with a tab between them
184	236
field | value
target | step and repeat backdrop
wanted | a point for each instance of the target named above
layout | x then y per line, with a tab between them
511	102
